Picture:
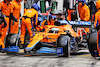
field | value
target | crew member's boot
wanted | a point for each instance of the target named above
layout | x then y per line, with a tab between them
1	49
21	46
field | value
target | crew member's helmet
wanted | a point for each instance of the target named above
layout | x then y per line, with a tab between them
35	6
83	1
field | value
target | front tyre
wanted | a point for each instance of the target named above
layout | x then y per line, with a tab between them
64	41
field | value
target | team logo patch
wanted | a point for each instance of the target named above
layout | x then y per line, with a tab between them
29	11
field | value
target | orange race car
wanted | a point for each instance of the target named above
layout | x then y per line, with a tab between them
59	38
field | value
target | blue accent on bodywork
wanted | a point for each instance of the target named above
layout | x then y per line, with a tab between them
12	49
59	50
29	48
97	23
47	50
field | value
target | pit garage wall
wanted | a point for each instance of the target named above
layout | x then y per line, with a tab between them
60	4
1	0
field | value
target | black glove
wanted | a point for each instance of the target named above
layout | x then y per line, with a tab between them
1	19
5	24
13	18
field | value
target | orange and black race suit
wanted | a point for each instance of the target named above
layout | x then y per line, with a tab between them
27	18
6	10
84	13
97	25
16	7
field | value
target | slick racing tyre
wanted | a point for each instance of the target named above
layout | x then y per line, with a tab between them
12	40
64	41
92	44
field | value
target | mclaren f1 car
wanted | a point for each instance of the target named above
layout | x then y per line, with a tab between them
58	39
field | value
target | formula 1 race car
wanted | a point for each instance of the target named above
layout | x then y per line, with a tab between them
59	39
53	37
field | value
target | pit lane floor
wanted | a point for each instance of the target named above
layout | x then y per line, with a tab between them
80	59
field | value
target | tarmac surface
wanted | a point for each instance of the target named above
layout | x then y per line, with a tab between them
80	59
